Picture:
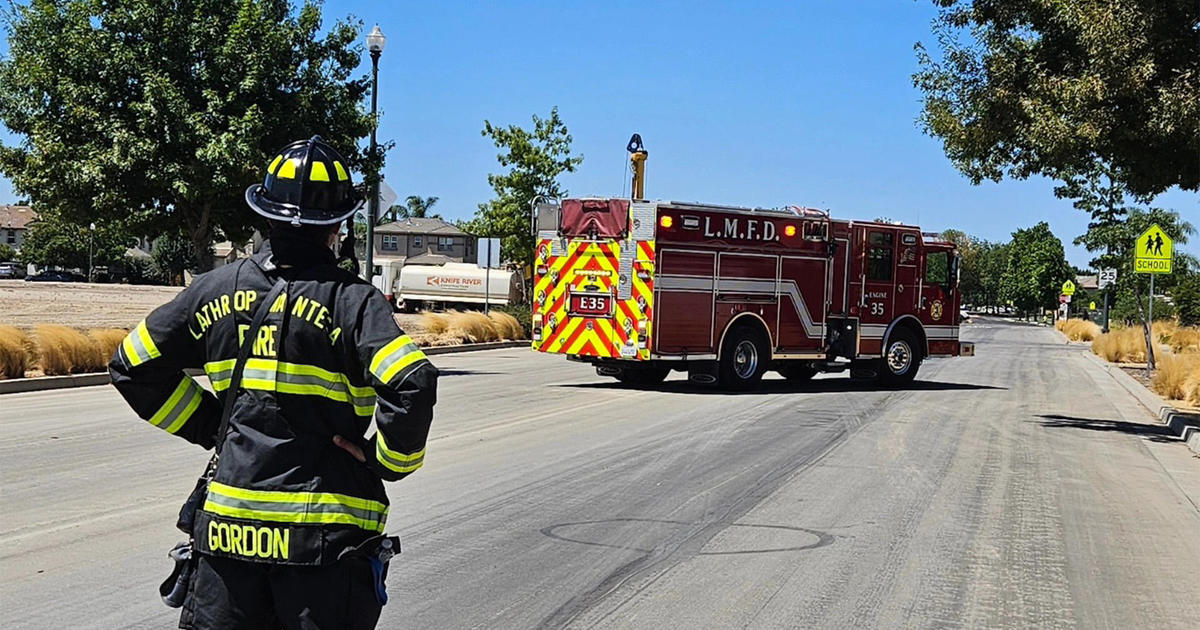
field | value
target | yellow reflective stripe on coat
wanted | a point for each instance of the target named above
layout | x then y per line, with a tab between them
293	378
180	406
323	508
393	358
395	460
138	346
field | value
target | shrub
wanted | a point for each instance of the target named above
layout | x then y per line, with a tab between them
435	323
472	326
507	326
523	315
1078	329
1185	340
106	341
1187	300
1173	373
63	350
14	353
1121	345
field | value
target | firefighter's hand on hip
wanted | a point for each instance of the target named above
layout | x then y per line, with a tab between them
350	447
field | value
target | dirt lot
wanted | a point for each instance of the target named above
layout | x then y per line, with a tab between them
27	304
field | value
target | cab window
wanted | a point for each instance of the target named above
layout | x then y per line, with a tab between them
879	257
937	268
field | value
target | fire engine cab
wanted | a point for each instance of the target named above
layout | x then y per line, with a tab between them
640	288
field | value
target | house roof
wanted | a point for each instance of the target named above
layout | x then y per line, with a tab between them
16	217
428	259
420	226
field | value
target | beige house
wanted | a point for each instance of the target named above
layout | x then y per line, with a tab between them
426	241
14	224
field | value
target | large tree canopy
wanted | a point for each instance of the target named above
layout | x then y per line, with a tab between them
160	114
1024	87
1036	269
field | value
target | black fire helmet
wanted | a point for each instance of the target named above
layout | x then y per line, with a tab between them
307	184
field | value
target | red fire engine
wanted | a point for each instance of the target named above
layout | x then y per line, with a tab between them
639	288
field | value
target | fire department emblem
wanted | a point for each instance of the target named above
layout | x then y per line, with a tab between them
935	311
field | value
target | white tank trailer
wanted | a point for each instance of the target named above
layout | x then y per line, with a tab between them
452	284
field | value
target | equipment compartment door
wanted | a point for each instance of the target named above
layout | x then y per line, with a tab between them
747	284
802	300
684	292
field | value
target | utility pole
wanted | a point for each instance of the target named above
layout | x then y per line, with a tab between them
91	238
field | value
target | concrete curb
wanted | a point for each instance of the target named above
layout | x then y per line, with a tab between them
12	386
43	383
1184	425
471	347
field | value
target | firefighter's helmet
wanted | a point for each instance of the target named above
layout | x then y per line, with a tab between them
307	183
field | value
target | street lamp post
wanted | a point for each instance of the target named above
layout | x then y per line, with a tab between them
375	43
91	237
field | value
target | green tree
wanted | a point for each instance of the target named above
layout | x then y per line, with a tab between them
535	158
1036	269
160	114
7	253
173	254
1187	300
1025	87
54	241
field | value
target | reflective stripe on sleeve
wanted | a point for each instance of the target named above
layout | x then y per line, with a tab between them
324	508
395	460
394	358
138	346
293	378
179	407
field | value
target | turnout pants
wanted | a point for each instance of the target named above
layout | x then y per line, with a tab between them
228	594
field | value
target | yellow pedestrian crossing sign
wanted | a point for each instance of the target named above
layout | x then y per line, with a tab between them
1068	288
1152	252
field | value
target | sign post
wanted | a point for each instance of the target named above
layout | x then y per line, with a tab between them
487	254
1108	276
1068	289
1152	255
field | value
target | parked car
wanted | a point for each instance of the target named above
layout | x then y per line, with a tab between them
963	315
56	276
12	270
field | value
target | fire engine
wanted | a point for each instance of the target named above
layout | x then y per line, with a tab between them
639	288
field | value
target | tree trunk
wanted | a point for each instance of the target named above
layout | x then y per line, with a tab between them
200	231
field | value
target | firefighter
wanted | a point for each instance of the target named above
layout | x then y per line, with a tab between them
291	530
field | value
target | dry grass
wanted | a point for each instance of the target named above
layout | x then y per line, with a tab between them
1177	376
435	323
472	326
507	326
1121	345
1078	329
1185	340
14	352
107	340
63	350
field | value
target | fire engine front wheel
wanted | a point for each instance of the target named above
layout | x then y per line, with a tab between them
901	359
743	359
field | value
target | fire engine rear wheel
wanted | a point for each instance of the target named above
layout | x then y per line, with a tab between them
642	376
901	359
743	358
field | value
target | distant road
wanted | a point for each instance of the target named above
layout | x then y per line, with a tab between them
1014	489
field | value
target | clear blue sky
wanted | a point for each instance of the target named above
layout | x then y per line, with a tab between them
748	103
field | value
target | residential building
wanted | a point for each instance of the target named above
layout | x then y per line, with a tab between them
14	224
423	241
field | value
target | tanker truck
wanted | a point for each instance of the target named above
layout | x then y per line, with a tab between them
452	285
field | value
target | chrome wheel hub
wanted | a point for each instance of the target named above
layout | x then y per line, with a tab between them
745	359
899	357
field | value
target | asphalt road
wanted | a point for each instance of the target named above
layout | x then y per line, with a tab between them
1018	488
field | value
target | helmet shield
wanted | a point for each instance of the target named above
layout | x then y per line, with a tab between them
307	183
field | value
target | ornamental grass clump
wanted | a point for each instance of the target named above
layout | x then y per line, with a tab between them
14	352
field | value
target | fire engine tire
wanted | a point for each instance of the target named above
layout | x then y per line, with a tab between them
798	373
901	359
743	358
643	377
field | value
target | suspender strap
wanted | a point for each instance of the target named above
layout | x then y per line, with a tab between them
235	381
